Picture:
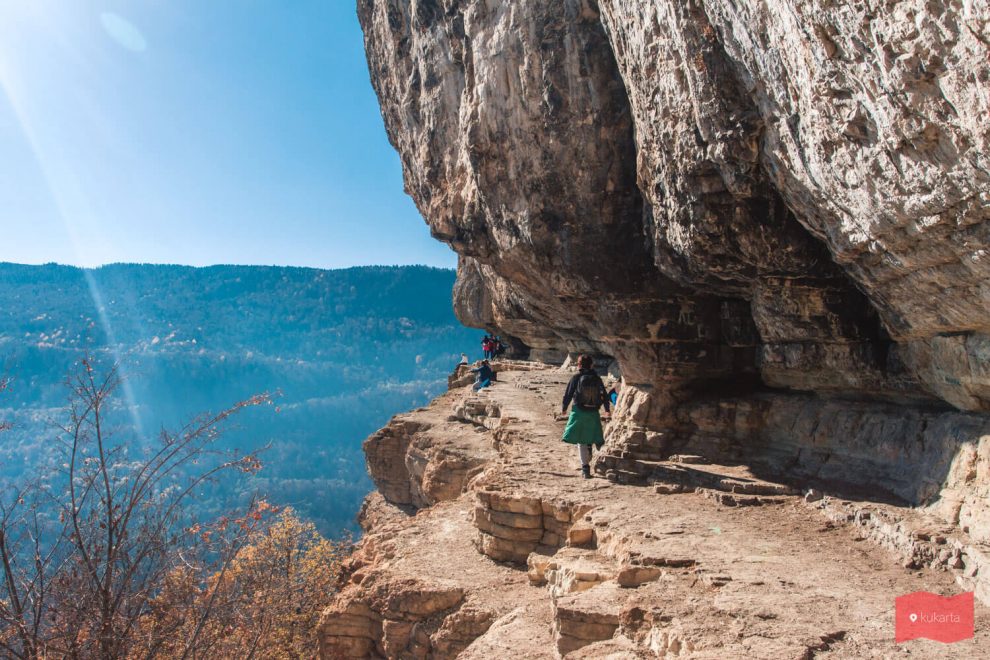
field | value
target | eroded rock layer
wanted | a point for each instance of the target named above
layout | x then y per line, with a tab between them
780	204
716	559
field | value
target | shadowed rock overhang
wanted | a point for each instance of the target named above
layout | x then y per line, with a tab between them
774	215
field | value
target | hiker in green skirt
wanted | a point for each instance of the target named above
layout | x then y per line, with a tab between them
584	426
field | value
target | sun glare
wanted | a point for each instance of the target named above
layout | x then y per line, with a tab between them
65	186
122	31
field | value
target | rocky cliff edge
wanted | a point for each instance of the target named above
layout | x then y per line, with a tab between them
772	214
483	541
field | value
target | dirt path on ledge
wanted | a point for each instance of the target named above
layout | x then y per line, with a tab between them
518	556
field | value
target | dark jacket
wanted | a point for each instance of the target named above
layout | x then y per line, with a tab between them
572	386
484	373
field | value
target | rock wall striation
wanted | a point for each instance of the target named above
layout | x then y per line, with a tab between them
769	210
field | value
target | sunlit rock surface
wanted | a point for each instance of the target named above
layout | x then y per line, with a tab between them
522	558
771	215
735	199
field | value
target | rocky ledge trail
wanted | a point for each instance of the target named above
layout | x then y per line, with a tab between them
483	541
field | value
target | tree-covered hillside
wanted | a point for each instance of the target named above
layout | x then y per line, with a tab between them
344	350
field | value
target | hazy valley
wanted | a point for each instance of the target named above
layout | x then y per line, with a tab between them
340	350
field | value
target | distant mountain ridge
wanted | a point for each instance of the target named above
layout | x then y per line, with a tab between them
345	349
137	298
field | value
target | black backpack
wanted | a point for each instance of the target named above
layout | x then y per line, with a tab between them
589	392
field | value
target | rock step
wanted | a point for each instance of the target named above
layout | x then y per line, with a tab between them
359	629
511	527
689	459
582	618
670	477
916	539
750	487
665	488
624	477
736	499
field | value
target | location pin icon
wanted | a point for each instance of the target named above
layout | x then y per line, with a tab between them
913	617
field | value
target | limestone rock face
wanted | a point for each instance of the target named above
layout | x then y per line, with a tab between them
721	558
785	194
773	216
421	458
859	123
864	120
745	201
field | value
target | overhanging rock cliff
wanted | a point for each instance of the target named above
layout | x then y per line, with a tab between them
774	215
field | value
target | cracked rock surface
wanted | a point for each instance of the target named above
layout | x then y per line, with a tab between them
708	560
749	194
770	217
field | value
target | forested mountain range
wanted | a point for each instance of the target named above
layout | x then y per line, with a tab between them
341	350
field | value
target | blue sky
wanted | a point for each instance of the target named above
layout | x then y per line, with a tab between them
197	132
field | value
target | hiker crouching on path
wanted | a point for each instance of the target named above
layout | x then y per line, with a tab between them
484	377
584	426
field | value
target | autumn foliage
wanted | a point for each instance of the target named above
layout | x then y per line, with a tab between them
265	602
100	557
